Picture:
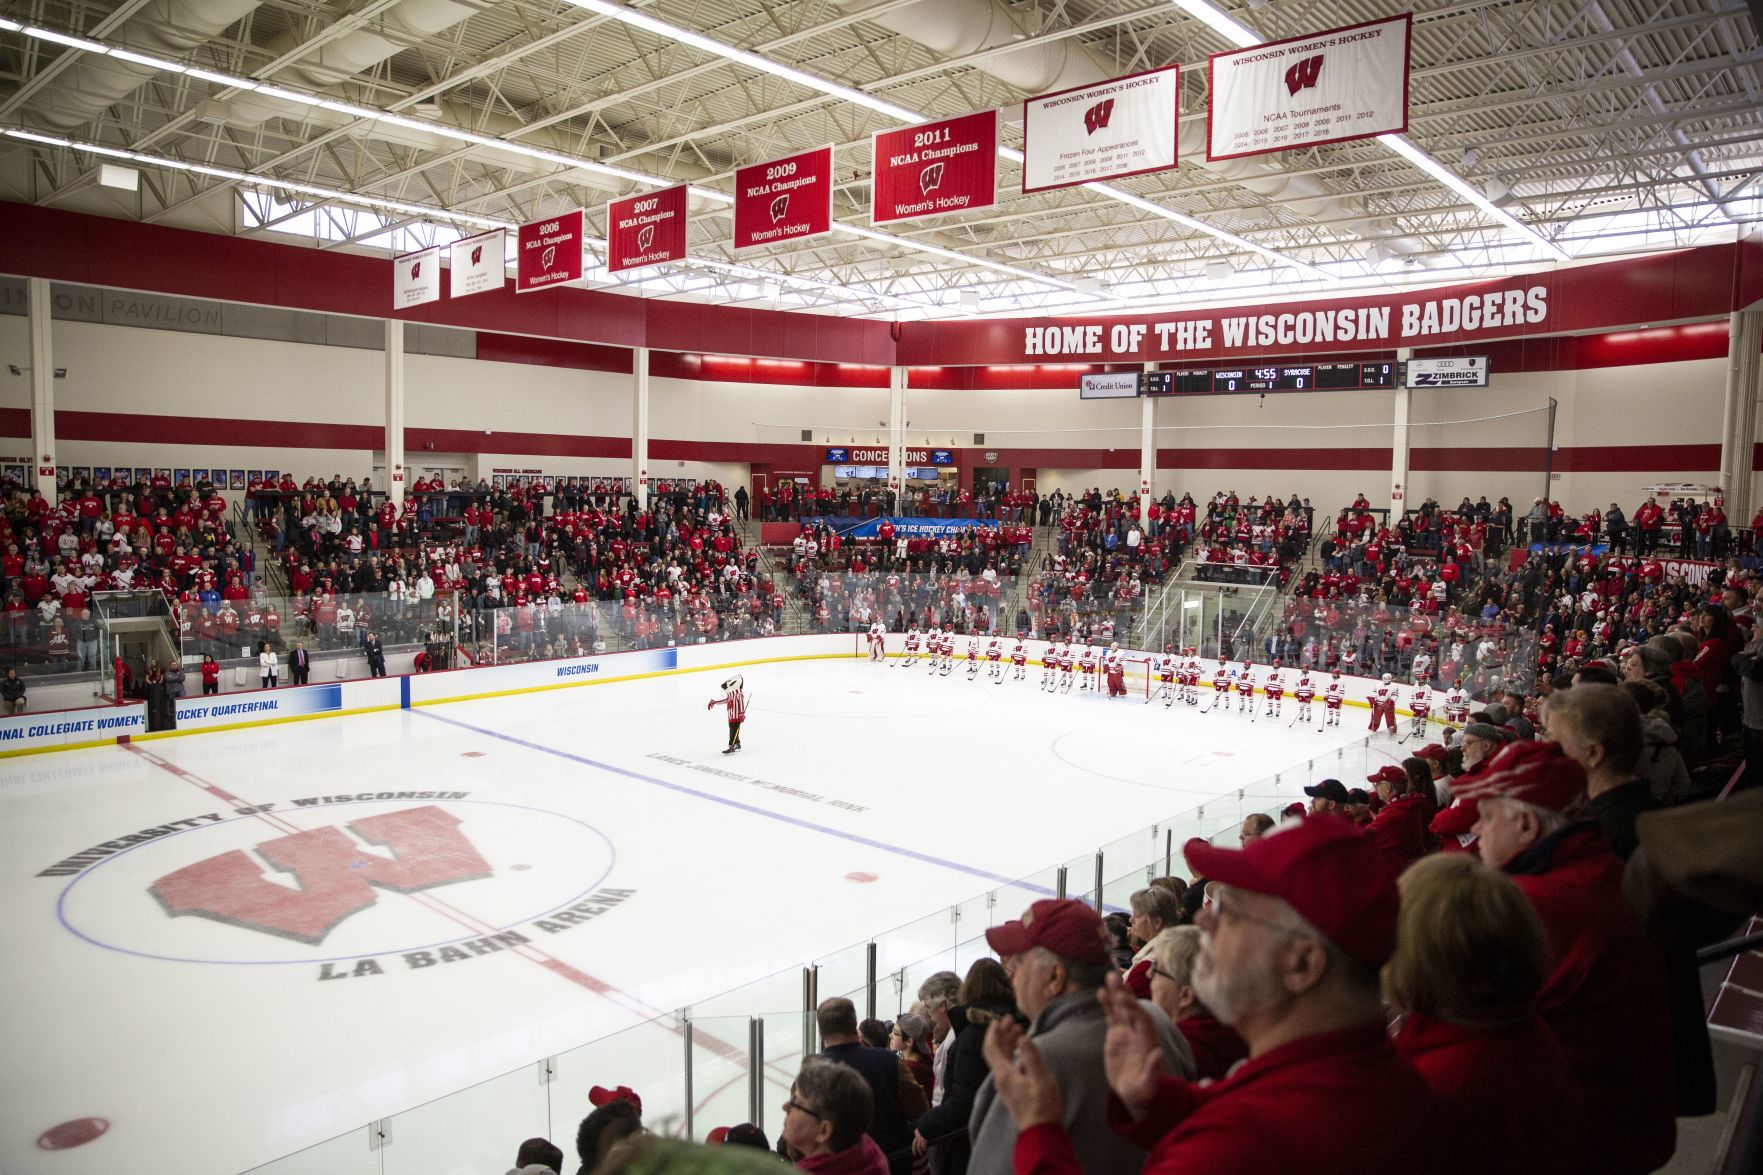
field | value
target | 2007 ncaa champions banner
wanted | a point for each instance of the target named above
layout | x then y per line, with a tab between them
1330	87
1116	128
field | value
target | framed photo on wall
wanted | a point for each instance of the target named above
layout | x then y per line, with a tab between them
180	477
81	473
272	475
236	479
255	475
12	473
100	473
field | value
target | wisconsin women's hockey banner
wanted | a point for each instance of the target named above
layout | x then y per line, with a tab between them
416	278
646	230
787	199
477	265
1349	83
935	168
1122	127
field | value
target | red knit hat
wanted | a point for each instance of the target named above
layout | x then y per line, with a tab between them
1537	773
1326	870
1069	928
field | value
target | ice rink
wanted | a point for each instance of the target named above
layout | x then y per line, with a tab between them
335	921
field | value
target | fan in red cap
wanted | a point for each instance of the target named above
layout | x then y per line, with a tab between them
1399	828
1305	918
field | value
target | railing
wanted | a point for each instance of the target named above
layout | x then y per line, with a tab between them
730	1058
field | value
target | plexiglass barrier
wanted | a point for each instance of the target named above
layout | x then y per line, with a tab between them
695	1069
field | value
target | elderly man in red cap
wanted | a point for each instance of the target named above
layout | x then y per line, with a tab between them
1059	954
1399	828
1290	959
1605	999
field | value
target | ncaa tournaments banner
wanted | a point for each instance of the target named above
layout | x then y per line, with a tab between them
416	278
786	199
1117	128
1331	87
936	168
646	230
477	265
551	253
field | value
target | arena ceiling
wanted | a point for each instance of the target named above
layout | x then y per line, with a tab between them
1541	132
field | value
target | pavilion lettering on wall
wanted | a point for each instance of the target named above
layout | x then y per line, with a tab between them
1403	322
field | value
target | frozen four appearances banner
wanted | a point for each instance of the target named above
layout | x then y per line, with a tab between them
477	265
1111	129
786	199
416	278
935	168
1349	83
646	230
550	253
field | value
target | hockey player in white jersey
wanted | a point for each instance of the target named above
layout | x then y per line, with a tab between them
1275	689
1245	682
1086	665
972	657
1192	684
911	646
995	661
1019	660
1456	704
1420	705
1302	694
1334	696
1163	665
878	633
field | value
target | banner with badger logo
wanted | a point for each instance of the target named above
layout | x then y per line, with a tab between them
1349	83
935	168
788	199
416	278
645	230
477	264
1116	128
551	253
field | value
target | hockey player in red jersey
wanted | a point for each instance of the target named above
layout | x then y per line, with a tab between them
1383	705
735	698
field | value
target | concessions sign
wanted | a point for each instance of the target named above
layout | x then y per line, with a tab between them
646	230
477	264
416	278
936	168
551	253
1111	129
786	199
1349	83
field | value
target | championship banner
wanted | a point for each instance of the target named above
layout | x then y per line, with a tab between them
477	264
646	230
551	253
1111	129
416	278
934	169
1331	87
786	199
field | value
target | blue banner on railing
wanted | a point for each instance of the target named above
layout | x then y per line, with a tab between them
904	528
1593	549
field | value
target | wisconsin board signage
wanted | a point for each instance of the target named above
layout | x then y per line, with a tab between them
786	199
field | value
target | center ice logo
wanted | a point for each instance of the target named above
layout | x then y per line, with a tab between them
337	878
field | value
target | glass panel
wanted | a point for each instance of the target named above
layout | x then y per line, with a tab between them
648	1057
721	1064
347	1154
472	1129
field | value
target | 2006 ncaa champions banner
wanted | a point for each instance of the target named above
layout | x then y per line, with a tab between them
1122	127
1349	83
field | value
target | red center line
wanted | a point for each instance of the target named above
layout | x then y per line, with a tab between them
472	923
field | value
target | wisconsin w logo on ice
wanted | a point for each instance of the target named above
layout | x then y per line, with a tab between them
336	877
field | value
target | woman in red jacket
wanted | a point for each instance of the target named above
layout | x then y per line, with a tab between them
1470	961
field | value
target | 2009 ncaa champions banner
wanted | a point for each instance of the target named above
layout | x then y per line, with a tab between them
1122	127
1349	83
787	199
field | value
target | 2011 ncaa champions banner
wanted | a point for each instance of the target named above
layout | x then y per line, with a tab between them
1116	128
1330	87
935	168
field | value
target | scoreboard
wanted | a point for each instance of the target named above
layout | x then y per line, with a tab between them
1269	377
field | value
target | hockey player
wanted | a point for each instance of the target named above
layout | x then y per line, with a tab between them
1193	675
1422	668
1065	663
1302	693
1420	705
1221	685
1050	666
1246	686
735	698
911	657
1457	704
1019	660
1086	667
972	657
1116	667
994	661
1334	696
1164	666
1275	689
946	649
1383	704
878	633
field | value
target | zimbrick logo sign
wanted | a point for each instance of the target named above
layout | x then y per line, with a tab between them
1303	75
1097	116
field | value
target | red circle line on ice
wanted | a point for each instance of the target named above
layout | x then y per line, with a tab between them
74	1132
860	878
